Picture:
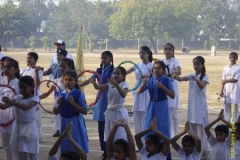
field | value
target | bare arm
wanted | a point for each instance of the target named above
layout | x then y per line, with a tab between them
141	88
49	91
84	83
102	87
130	71
79	108
36	78
56	145
166	90
177	71
209	126
19	105
56	109
232	80
122	91
175	76
221	91
197	140
139	136
201	84
4	106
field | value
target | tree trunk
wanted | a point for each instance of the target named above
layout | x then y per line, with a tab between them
153	44
5	40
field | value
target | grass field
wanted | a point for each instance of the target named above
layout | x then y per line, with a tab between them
214	67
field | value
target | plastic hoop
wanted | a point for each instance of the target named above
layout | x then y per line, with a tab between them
140	82
50	112
100	82
4	125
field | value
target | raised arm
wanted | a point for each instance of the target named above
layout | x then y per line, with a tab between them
177	71
141	88
102	87
175	138
166	90
209	126
221	117
201	84
138	137
19	105
122	91
175	76
79	108
130	71
84	83
197	140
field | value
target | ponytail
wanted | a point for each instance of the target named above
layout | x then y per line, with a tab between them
149	52
202	61
203	73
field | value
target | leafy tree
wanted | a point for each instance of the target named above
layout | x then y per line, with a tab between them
14	23
32	40
45	40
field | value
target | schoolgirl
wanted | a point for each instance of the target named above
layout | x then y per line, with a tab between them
197	112
140	101
174	68
71	104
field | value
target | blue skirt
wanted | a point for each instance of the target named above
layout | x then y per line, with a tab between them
101	107
79	133
161	112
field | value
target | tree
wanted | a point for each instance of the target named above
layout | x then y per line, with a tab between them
14	23
32	40
154	19
45	42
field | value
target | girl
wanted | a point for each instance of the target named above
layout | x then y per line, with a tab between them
65	65
25	134
2	77
197	113
106	72
174	68
11	71
117	91
153	148
191	145
140	102
230	86
71	104
121	149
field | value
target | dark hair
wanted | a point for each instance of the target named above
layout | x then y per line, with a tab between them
154	139
188	138
34	55
0	48
234	54
15	65
222	128
110	55
123	143
70	155
122	70
148	50
4	58
237	127
74	75
62	51
202	61
69	62
170	44
28	80
163	66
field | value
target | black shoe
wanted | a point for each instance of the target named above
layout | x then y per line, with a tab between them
57	134
104	156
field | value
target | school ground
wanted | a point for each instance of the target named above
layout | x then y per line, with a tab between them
214	67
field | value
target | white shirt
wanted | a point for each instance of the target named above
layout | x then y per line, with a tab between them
144	154
231	90
220	150
60	85
197	111
31	72
195	155
54	60
114	96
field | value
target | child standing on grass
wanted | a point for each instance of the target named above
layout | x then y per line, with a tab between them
191	145
65	65
24	139
11	71
117	91
121	149
153	149
230	87
37	75
220	144
174	68
140	101
71	104
105	71
197	112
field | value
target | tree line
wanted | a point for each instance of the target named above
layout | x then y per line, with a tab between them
43	20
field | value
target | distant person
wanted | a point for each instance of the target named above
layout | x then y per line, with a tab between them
230	86
60	45
1	55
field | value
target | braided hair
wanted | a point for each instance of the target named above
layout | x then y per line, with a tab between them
110	55
202	61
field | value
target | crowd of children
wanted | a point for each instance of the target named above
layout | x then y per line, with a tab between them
155	107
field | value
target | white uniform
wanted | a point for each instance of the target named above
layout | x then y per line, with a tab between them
195	155
38	118
220	150
231	90
115	110
55	61
25	135
173	103
57	118
140	101
197	113
144	154
6	116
